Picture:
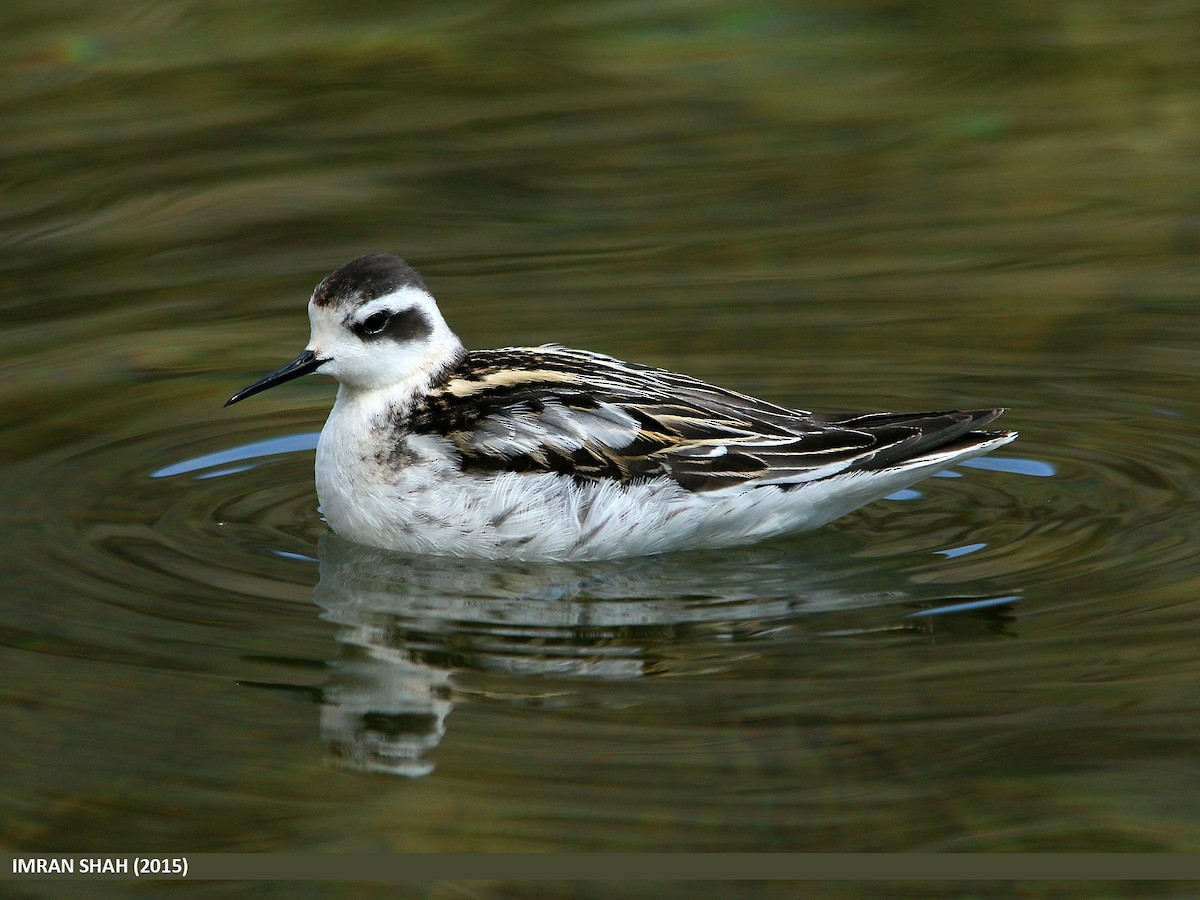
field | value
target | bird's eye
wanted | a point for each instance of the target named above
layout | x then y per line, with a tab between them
375	323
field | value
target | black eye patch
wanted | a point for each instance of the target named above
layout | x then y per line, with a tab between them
406	325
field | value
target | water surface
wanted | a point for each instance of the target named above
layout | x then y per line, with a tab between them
849	208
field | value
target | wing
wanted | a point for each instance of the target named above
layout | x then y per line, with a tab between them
591	416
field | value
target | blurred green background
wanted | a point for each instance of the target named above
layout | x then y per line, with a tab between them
873	205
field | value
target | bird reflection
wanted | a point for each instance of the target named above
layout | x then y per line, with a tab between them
407	625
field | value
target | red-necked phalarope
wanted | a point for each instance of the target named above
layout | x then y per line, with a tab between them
551	453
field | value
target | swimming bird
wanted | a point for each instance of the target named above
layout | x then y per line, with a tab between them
548	453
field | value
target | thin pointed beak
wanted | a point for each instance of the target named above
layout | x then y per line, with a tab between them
303	364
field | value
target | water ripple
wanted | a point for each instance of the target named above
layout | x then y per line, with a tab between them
227	529
280	446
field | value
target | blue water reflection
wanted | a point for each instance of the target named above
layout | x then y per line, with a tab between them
288	443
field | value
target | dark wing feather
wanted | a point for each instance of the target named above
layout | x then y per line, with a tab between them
551	409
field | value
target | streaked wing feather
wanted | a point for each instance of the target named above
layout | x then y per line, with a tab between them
592	416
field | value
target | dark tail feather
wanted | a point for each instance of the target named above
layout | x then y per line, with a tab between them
908	435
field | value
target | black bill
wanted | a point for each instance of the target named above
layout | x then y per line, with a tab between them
303	364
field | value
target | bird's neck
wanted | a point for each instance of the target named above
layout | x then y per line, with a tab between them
393	403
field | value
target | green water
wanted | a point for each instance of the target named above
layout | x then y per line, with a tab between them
839	207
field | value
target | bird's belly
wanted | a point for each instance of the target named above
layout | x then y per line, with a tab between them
500	516
425	509
418	500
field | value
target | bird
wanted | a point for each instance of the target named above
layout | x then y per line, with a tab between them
554	454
